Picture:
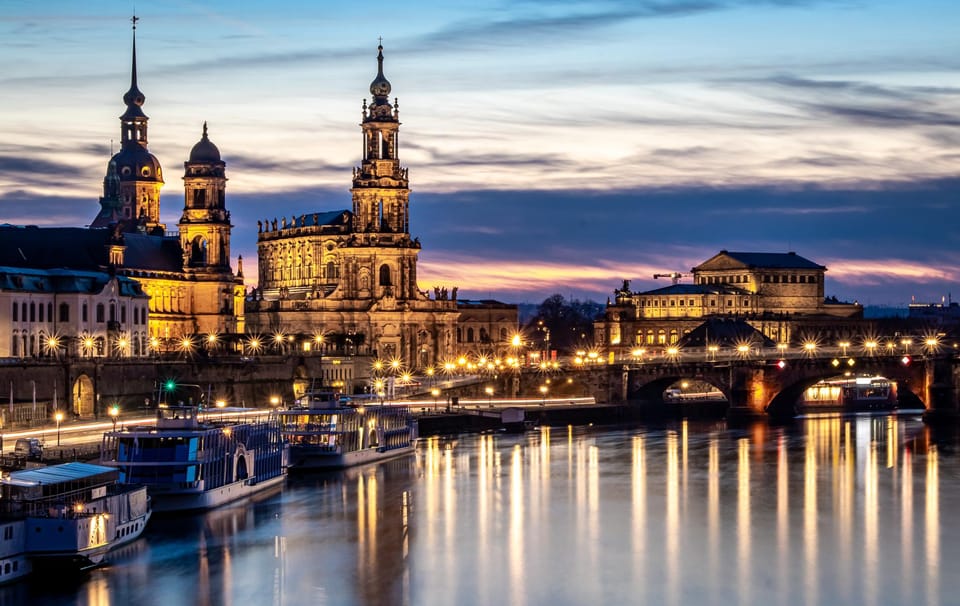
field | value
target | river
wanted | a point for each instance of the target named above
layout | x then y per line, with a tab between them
835	510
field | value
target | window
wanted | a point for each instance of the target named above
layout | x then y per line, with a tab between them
385	276
40	312
16	308
50	311
64	312
23	311
100	313
470	335
83	312
33	312
113	312
123	314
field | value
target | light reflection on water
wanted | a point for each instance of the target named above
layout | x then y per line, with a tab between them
836	510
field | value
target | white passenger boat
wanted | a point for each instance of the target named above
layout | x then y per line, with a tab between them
67	515
189	463
324	433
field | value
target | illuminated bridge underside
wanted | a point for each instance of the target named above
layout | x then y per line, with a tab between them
762	387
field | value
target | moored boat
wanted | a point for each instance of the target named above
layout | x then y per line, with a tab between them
69	515
189	463
324	433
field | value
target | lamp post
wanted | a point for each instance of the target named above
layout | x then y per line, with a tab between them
435	393
59	417
543	395
489	391
114	411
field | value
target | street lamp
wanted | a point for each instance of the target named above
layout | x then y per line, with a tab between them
59	417
489	391
114	411
435	393
543	395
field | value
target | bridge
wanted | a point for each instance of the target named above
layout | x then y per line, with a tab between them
771	386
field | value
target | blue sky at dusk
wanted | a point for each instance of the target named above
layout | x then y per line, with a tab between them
553	146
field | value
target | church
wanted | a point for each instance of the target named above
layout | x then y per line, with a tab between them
126	286
350	275
342	281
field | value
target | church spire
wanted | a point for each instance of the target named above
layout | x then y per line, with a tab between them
134	121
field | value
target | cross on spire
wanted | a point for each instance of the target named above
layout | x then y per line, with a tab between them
380	40
134	20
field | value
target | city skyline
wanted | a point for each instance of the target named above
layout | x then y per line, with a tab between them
552	147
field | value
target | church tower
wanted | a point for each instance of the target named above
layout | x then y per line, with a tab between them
381	198
205	223
139	171
381	191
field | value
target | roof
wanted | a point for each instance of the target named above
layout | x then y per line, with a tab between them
696	289
152	253
724	332
762	260
76	247
484	303
56	474
64	281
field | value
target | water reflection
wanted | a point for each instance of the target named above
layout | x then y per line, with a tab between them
836	510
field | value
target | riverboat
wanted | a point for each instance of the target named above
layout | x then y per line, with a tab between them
193	463
850	394
325	432
67	516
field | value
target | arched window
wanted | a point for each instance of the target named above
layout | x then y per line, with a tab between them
50	311
16	309
100	313
123	314
83	312
198	251
113	312
470	335
33	312
15	343
385	276
64	312
331	271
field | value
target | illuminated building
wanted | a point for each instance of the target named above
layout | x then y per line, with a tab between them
186	275
352	274
779	294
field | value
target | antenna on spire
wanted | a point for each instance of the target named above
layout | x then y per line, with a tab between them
380	40
134	19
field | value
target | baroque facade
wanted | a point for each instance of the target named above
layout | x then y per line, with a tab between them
186	274
780	294
351	275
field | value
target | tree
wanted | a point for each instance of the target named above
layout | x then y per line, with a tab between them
562	325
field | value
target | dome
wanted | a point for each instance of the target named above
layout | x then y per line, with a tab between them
134	163
204	150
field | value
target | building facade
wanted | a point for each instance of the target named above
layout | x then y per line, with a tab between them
49	312
186	275
780	294
351	275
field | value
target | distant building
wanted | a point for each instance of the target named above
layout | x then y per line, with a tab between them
780	294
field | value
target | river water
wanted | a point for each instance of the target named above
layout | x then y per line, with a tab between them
851	510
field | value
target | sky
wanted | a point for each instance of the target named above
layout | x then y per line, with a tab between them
553	146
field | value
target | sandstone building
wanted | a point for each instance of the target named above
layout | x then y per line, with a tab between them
780	294
350	275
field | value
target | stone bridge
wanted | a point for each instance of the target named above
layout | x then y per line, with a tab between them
756	388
